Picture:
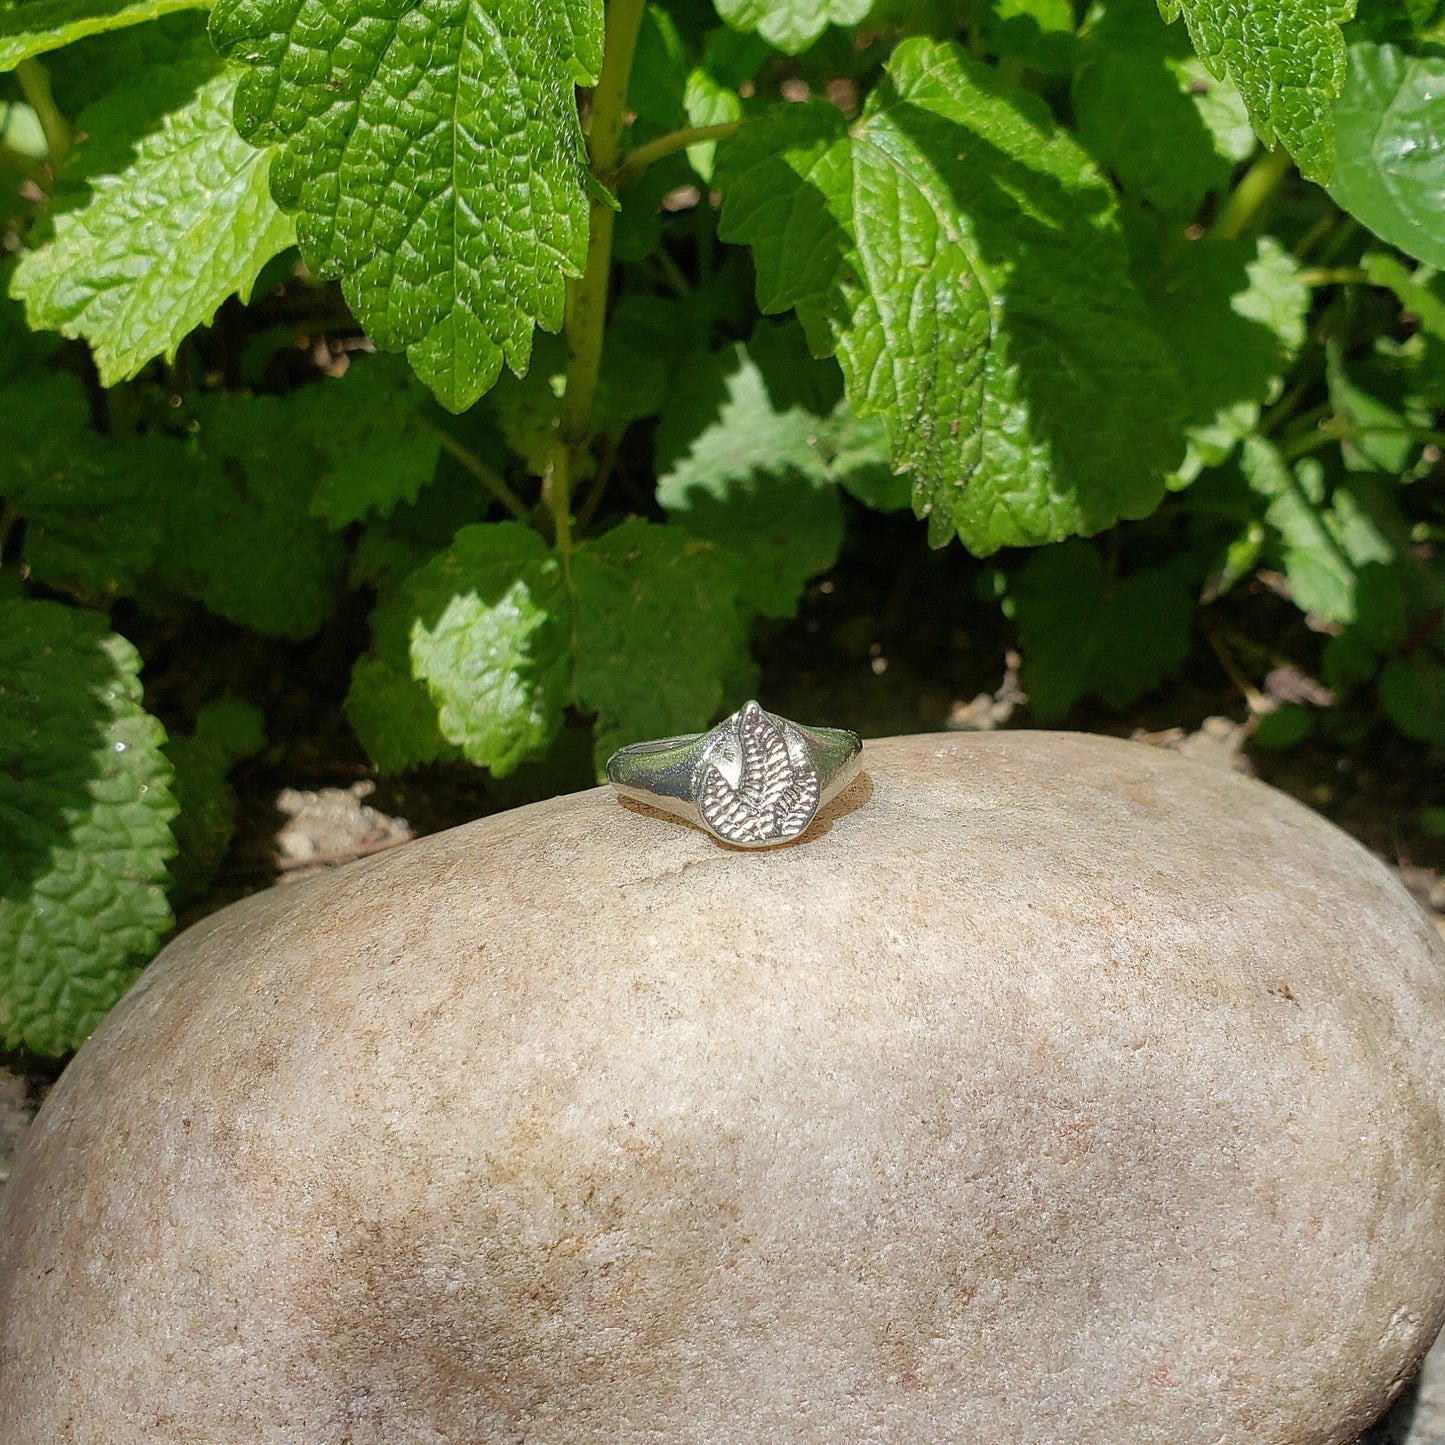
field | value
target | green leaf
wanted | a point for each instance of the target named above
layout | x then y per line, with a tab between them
1234	314
793	375
708	102
220	518
232	728
658	631
238	536
166	51
21	350
1420	292
1378	437
1148	110
791	25
32	27
391	713
738	472
85	808
1390	172
659	70
1082	631
227	731
21	131
963	258
782	525
1348	660
527	406
732	58
368	428
93	521
1283	728
1287	60
155	224
637	352
434	158
383	558
1332	551
1036	33
1413	692
488	632
1403	20
859	450
483	646
854	450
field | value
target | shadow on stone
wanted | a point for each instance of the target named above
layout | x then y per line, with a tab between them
1393	1427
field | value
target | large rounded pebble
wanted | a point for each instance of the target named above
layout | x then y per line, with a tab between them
1052	1090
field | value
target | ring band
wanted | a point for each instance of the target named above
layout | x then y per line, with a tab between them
754	781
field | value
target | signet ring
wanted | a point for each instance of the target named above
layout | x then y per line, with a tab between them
755	781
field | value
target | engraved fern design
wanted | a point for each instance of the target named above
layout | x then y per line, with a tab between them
775	797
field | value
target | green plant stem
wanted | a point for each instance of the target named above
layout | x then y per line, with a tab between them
490	479
589	506
1315	235
587	311
1284	408
1300	422
1339	239
1249	197
1333	276
35	86
669	144
1337	431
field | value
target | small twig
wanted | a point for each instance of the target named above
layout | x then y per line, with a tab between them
1315	235
669	144
1338	239
1339	430
1284	408
1334	276
1300	422
1258	703
490	479
593	500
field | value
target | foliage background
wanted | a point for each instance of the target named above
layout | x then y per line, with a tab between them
896	340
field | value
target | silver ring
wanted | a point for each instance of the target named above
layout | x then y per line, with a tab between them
754	781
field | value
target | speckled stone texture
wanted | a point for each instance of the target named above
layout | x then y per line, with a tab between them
1054	1090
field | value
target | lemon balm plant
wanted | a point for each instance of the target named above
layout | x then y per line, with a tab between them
634	298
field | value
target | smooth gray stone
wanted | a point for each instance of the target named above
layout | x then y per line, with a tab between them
1059	1091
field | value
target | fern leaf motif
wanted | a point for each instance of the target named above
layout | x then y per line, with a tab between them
776	793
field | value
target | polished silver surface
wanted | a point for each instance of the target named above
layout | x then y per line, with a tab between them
754	781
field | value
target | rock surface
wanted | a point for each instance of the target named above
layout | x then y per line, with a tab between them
1053	1089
